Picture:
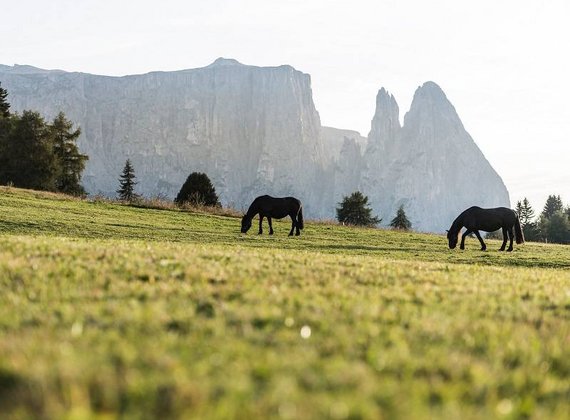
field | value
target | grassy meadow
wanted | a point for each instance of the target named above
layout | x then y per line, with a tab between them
113	311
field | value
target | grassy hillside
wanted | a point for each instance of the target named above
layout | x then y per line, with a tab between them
110	310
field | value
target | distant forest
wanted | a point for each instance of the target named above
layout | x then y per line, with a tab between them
552	225
37	154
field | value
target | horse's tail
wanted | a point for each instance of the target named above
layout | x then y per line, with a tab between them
518	231
300	217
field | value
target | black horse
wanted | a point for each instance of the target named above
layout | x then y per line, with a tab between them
276	208
489	220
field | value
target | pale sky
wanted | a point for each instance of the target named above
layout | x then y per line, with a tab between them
504	64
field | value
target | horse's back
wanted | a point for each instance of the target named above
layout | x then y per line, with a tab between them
277	200
263	198
495	210
294	200
489	219
277	207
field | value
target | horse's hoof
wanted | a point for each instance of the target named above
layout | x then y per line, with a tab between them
462	248
271	233
501	249
298	233
483	249
510	250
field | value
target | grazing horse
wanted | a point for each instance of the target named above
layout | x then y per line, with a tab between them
489	220
276	208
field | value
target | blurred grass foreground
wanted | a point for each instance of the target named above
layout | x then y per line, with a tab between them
108	310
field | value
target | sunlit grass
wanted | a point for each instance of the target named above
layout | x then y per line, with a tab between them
113	310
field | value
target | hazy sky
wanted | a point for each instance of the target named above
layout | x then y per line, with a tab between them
505	65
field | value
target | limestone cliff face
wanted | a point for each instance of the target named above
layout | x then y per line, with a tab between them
385	129
431	165
256	131
252	130
344	152
334	139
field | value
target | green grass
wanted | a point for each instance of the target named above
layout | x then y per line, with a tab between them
109	310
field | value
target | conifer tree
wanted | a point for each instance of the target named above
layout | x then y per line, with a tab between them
401	220
71	162
197	190
127	183
4	105
525	212
354	210
5	127
27	159
526	217
556	228
552	206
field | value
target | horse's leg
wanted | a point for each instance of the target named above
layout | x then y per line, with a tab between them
502	248
478	235
511	236
297	231
260	222
293	224
270	225
467	232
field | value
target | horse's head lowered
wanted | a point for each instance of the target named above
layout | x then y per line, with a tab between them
452	237
245	224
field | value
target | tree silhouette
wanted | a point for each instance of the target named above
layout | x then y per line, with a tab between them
71	162
4	105
401	220
127	183
354	210
197	190
556	228
27	159
529	227
525	212
552	206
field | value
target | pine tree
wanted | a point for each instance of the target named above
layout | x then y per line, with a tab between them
71	162
527	214
354	210
556	228
552	206
401	220
127	183
27	159
4	105
5	127
197	190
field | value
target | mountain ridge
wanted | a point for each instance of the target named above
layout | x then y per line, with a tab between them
256	130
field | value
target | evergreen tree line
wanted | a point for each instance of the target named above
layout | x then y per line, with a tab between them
355	210
551	225
37	154
197	190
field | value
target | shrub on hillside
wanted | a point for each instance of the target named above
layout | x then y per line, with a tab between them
354	210
197	190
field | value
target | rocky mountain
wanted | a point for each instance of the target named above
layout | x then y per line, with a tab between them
334	139
430	165
255	130
252	130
